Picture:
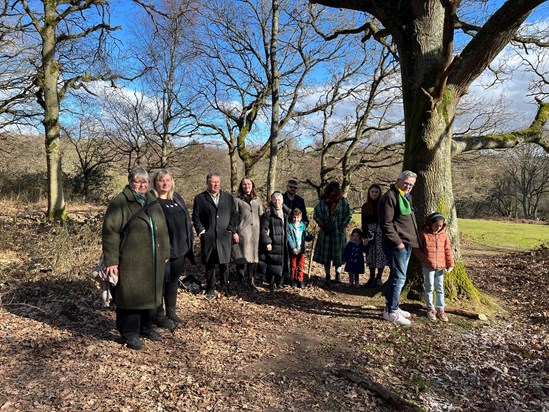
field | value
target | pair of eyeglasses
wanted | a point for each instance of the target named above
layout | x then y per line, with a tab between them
292	187
407	184
140	183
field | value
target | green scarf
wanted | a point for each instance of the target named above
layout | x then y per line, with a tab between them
141	199
404	205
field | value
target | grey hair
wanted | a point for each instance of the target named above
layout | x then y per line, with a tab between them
138	173
406	174
210	175
277	194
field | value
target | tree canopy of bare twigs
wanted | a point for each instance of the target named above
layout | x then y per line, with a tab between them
16	80
240	69
346	145
163	46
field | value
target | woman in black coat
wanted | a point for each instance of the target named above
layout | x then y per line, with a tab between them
180	229
274	241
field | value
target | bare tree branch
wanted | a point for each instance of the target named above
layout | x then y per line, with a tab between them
494	35
533	134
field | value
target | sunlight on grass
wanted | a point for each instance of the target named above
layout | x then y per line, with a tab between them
498	234
519	236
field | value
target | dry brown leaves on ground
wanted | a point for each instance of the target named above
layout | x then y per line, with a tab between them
293	350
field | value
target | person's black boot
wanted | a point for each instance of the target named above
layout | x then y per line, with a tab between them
133	342
241	274
225	291
152	335
162	321
172	315
379	281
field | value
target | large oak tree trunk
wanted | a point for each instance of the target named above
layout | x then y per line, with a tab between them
428	148
432	84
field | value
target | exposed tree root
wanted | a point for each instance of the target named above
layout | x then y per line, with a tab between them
455	311
392	398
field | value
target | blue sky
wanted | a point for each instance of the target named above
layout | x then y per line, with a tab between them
123	13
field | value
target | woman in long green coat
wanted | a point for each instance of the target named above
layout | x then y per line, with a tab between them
136	246
332	214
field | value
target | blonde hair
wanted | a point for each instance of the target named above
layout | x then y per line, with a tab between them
159	174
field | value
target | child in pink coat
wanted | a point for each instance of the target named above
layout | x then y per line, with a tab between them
435	256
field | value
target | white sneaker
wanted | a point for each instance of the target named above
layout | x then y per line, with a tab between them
404	313
396	317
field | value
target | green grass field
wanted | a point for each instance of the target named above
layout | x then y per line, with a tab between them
492	233
498	234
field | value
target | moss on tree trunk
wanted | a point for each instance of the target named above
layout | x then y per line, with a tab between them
428	151
431	160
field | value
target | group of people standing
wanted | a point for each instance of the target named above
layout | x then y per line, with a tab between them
148	237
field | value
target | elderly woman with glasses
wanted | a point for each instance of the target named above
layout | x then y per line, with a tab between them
274	254
135	248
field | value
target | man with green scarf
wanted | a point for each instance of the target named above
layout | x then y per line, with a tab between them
399	233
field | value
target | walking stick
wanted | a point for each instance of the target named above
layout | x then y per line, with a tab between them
311	255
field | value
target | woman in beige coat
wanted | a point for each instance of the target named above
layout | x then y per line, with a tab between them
245	250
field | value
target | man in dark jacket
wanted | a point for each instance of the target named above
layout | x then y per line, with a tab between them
292	200
215	220
399	235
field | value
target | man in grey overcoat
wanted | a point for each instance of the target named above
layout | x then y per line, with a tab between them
215	220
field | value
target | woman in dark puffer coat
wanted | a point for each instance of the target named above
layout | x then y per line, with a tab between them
274	242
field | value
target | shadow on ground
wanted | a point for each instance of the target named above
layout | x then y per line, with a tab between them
69	304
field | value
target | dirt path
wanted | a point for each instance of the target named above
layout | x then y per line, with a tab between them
471	252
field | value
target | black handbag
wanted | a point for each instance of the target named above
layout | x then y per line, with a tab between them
329	227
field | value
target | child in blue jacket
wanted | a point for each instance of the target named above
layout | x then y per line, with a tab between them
353	256
297	236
